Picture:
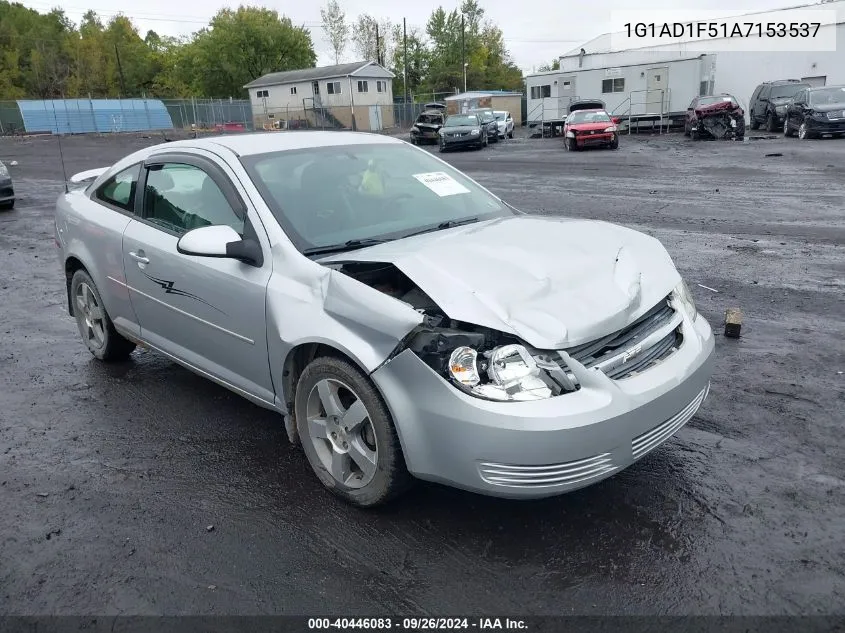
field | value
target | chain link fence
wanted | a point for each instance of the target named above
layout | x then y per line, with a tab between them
213	115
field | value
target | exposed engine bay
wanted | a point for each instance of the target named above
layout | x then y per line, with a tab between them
477	359
723	120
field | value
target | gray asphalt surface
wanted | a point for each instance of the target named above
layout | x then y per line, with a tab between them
111	476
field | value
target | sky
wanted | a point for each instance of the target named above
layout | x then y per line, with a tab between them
535	31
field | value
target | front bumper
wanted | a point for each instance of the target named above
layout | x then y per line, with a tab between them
586	139
425	135
462	141
545	447
7	191
826	126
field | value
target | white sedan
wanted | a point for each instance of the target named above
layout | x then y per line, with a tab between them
505	122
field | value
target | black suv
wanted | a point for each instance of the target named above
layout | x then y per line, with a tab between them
768	103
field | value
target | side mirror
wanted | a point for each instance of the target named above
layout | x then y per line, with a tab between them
615	119
220	241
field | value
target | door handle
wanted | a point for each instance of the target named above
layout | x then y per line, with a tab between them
139	257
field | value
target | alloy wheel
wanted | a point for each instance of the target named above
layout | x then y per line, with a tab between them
90	317
340	430
802	131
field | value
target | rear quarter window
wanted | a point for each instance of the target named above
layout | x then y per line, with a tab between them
120	190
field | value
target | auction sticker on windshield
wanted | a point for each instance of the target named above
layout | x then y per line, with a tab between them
441	183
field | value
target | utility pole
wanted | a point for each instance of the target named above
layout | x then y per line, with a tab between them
463	52
120	71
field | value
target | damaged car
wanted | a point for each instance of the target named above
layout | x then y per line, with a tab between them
816	112
426	129
589	125
402	320
715	117
7	189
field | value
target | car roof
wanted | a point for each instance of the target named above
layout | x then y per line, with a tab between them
264	142
814	88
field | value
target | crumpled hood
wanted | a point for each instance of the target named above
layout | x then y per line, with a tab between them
719	106
553	282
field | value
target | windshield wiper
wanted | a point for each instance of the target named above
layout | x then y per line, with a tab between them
448	224
349	245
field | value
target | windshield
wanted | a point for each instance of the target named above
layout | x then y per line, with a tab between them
461	119
786	91
827	95
703	101
588	117
331	195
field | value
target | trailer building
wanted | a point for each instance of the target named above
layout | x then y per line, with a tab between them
651	83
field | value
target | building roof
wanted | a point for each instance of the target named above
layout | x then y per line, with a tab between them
475	94
310	74
603	42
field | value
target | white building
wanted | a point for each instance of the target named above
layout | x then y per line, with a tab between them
330	94
664	79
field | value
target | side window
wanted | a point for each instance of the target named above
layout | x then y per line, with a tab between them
764	93
181	197
119	190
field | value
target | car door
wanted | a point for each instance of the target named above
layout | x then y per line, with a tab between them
760	104
206	311
752	103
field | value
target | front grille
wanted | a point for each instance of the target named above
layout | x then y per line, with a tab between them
650	440
624	345
565	474
457	134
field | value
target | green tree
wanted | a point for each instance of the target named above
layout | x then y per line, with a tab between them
244	44
364	39
555	65
335	28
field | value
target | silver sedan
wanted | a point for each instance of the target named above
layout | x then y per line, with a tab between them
404	321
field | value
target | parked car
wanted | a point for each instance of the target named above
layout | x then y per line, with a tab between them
488	120
463	130
768	102
505	123
816	112
427	127
588	125
435	105
385	323
718	116
7	189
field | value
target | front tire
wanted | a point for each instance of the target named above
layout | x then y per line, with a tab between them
348	435
803	132
786	131
614	144
7	206
771	126
95	325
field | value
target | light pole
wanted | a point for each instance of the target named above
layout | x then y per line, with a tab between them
465	76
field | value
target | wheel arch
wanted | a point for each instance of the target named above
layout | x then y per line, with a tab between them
72	264
296	360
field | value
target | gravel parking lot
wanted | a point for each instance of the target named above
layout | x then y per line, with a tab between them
140	488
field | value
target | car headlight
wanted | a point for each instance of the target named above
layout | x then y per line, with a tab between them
612	128
441	132
474	132
4	171
570	135
415	129
684	296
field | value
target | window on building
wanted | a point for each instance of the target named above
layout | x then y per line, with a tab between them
333	87
613	85
263	93
363	86
566	84
381	86
293	90
541	92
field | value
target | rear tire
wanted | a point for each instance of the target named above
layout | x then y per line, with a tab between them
786	131
95	325
342	422
755	124
7	206
510	134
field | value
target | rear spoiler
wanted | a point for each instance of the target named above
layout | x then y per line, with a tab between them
85	177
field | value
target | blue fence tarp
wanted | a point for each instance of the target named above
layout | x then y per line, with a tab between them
80	116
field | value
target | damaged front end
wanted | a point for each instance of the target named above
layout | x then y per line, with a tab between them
718	121
479	360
